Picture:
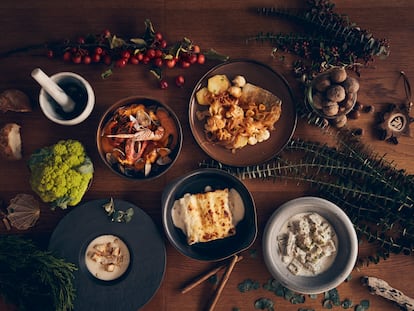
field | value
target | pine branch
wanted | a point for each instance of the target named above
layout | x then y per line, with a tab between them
34	279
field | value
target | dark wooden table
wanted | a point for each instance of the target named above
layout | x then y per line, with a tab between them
224	26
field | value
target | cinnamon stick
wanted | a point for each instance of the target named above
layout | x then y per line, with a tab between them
222	283
205	276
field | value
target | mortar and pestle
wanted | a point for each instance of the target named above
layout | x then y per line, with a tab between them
65	98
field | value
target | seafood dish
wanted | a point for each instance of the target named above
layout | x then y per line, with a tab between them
140	140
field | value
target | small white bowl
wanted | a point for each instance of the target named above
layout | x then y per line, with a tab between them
346	254
49	107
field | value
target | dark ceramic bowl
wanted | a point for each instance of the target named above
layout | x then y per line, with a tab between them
174	141
196	182
265	77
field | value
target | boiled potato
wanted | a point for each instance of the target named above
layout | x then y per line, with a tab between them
202	96
218	84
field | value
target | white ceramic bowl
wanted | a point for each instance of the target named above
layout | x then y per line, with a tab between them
49	108
347	246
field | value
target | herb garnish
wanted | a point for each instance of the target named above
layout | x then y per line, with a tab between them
117	215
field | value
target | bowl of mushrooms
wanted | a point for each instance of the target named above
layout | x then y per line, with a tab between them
332	94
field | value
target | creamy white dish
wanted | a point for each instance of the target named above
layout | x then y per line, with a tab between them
107	257
307	244
208	216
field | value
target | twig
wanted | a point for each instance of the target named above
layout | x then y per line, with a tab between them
223	282
200	279
383	289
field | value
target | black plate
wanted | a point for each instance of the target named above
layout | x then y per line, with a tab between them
265	77
196	182
147	251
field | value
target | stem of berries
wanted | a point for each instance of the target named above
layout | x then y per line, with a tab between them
151	49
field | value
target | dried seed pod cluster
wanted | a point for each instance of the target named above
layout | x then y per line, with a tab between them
333	94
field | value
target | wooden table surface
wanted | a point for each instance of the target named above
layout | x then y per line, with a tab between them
224	26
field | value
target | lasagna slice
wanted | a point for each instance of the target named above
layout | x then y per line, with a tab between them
205	216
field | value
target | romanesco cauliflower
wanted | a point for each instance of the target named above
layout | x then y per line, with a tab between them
61	173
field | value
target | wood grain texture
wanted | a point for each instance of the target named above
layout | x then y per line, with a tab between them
224	26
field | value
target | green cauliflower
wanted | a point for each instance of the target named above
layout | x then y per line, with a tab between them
61	173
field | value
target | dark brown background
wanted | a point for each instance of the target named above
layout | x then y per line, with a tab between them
224	26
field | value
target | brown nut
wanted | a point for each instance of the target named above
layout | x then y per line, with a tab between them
340	121
321	82
317	100
348	102
351	85
330	108
338	74
335	93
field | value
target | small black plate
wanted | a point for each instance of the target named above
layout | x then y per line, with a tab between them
147	251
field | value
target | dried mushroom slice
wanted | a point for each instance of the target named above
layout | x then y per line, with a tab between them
14	100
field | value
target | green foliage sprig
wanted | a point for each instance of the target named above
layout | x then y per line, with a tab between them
377	196
33	279
328	39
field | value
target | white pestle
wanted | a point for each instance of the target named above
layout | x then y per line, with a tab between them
54	90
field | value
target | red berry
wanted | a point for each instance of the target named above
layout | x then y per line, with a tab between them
81	40
196	49
77	58
96	58
146	60
158	62
98	50
158	36
170	63
158	53
133	60
106	33
192	59
179	81
121	63
67	56
201	59
163	44
87	60
139	56
150	53
163	84
185	64
50	54
126	55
